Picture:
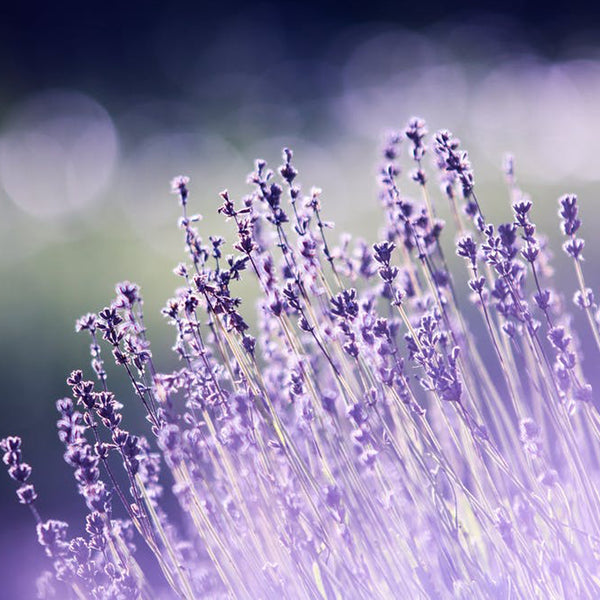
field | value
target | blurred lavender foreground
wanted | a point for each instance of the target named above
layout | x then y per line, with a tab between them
374	435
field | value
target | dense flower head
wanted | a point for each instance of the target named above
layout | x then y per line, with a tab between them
416	132
454	160
364	435
568	213
179	186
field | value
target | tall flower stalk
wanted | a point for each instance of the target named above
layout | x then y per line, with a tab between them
364	436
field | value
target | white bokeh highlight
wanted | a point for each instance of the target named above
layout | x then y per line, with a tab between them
58	153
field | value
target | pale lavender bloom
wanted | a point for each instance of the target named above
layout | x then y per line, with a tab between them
364	435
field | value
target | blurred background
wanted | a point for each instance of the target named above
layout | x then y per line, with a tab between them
102	103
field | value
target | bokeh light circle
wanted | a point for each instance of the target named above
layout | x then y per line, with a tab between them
58	153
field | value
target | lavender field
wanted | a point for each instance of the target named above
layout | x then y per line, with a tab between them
358	359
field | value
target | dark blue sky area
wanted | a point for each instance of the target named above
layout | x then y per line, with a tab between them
117	46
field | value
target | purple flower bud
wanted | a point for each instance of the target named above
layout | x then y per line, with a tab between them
446	147
466	248
94	524
12	443
20	472
542	299
12	458
522	208
345	305
52	536
86	323
584	300
416	132
383	252
128	292
304	325
351	348
568	212
287	171
80	550
179	186
102	450
391	146
249	344
559	338
27	494
530	253
477	284
574	248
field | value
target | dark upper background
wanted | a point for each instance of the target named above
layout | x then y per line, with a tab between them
203	60
116	48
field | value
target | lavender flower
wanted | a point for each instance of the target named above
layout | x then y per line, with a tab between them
19	471
364	436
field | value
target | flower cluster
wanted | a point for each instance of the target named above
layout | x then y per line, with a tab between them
18	470
364	435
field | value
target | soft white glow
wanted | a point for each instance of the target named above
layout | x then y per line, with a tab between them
58	153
